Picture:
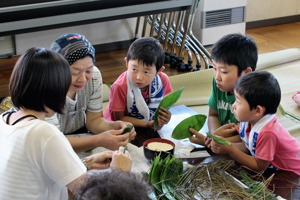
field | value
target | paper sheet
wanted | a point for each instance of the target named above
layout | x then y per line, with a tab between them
139	162
180	113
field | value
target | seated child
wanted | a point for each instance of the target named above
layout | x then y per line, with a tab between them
233	56
257	98
136	94
114	185
296	98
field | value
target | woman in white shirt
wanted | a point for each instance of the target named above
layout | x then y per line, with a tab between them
37	161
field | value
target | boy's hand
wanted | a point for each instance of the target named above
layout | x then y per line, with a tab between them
219	148
163	117
208	142
197	137
226	130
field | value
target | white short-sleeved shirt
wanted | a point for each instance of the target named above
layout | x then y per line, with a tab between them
36	161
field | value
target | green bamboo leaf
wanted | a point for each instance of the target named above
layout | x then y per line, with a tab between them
289	115
170	175
218	140
167	102
155	174
128	129
246	179
181	131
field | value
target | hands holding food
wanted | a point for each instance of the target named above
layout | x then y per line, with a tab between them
119	159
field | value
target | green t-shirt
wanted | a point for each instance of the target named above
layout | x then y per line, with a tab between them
222	102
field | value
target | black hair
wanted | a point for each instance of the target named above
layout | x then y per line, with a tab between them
148	51
260	88
40	78
113	185
236	49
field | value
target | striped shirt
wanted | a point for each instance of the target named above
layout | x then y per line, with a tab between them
89	99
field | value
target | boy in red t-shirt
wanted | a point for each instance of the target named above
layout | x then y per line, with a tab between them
136	94
270	145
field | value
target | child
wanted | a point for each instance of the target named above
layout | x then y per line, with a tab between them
233	56
257	98
115	185
37	161
84	99
135	95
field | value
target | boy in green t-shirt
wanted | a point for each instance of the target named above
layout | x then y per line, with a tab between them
233	56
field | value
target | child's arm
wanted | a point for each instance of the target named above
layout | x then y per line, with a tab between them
227	130
214	125
237	152
163	118
213	121
120	115
234	139
197	138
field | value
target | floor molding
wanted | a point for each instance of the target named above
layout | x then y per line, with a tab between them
272	22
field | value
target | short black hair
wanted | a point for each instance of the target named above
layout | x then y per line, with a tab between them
113	185
236	49
40	78
260	88
148	51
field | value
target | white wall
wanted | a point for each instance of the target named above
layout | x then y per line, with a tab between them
120	30
268	9
97	33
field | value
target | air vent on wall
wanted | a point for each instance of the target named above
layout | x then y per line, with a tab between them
223	17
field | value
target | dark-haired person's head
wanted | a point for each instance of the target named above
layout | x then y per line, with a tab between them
40	78
73	47
259	88
148	51
236	49
114	185
80	54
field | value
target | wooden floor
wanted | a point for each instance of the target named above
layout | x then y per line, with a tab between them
111	64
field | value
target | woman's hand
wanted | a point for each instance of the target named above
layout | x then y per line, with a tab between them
122	124
99	160
121	160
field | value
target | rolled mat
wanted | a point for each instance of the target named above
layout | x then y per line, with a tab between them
267	60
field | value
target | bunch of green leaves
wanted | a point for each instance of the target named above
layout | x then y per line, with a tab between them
181	131
163	176
167	102
257	189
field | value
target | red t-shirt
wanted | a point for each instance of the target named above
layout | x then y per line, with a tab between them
275	144
118	94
